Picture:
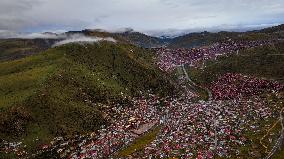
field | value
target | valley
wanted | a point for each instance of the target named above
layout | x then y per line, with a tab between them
145	97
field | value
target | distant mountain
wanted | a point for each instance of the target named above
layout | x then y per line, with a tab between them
126	36
141	39
274	29
11	49
200	39
17	48
206	38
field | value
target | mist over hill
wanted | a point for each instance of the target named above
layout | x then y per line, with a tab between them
36	42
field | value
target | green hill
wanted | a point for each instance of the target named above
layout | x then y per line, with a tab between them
207	38
141	39
265	62
274	29
132	37
199	39
60	92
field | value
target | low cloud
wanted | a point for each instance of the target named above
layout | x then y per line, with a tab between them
63	38
5	34
40	36
40	15
79	38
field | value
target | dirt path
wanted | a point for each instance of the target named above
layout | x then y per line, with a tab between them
144	128
209	100
195	85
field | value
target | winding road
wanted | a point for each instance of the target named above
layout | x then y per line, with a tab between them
209	100
194	84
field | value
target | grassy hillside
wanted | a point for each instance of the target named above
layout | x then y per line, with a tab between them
135	38
279	28
207	38
141	39
57	92
200	39
264	62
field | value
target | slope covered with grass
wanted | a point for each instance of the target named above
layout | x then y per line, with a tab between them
207	38
264	62
59	92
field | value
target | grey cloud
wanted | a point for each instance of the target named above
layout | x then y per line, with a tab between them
4	34
15	7
142	15
13	13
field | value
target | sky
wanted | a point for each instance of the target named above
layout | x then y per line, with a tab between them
148	16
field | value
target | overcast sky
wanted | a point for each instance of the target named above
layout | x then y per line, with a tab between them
141	15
